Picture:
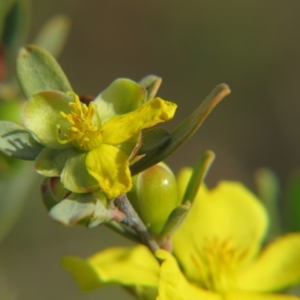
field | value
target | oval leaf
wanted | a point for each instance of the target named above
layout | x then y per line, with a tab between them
17	142
38	71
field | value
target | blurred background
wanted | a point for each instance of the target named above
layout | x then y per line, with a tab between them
252	45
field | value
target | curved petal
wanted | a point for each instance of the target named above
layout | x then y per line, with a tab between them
110	167
227	222
133	266
120	128
121	97
173	285
276	268
51	162
42	115
75	176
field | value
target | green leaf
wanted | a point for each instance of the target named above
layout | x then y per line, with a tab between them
174	221
183	131
16	23
73	209
153	139
151	83
53	34
199	172
5	7
38	71
267	185
17	142
292	203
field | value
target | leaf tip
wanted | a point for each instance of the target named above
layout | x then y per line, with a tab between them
224	89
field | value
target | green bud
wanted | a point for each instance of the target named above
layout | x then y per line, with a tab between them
154	195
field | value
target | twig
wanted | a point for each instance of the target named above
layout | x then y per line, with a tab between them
133	220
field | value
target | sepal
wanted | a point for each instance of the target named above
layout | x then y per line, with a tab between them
151	83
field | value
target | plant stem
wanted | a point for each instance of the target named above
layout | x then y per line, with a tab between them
133	220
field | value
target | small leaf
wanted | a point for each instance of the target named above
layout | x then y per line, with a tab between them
151	83
53	34
199	172
153	139
38	71
17	142
267	185
73	209
183	131
174	221
292	203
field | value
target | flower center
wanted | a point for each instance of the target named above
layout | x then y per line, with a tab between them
218	262
83	133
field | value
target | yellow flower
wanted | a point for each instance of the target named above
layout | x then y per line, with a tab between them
83	143
218	249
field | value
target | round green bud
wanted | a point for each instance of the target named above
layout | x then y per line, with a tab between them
154	195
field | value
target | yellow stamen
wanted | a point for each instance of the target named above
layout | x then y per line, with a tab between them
83	133
218	262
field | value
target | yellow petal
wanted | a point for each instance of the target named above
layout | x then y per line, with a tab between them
110	167
173	285
227	217
253	296
277	267
133	266
120	128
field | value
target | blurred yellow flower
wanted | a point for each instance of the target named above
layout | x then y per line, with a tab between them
218	249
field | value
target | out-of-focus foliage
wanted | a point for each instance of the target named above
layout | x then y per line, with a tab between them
15	176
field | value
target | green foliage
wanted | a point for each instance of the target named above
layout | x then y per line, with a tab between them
268	189
199	172
183	131
292	203
38	71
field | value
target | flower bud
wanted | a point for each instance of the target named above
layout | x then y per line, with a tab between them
154	195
